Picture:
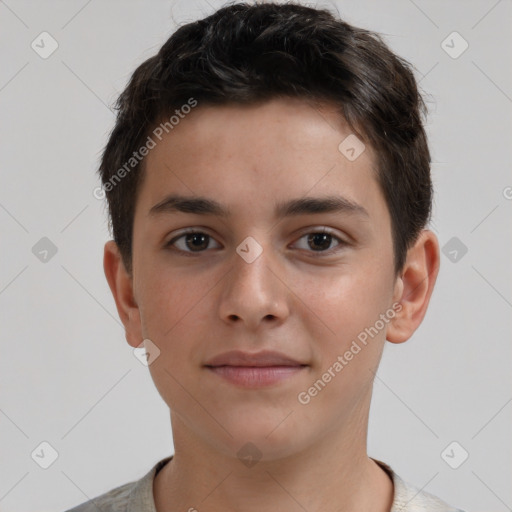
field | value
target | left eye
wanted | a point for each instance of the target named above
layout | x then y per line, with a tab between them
320	241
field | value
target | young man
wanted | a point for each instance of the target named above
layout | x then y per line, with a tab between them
268	185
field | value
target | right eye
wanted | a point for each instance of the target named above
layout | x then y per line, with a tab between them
190	242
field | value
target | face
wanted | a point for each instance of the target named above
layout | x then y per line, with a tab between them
306	283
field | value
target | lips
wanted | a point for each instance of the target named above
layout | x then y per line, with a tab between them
265	358
254	370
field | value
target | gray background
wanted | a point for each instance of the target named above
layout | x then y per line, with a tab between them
67	375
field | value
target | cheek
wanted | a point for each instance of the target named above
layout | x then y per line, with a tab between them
177	315
344	301
171	306
347	343
168	298
341	312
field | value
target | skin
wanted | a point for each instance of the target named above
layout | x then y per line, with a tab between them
314	456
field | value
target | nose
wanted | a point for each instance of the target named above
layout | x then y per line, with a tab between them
255	292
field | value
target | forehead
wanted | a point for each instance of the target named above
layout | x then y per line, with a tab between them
245	155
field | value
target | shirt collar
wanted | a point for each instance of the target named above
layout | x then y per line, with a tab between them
406	498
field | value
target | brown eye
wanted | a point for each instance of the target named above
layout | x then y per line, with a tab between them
191	242
321	242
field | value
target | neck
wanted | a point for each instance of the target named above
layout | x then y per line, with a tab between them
334	474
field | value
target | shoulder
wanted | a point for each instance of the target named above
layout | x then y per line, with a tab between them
135	496
115	500
408	498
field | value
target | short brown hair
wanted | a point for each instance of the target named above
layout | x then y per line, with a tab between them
249	53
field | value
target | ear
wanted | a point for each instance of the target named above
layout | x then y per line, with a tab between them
414	287
121	286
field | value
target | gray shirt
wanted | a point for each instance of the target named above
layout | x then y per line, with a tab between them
137	496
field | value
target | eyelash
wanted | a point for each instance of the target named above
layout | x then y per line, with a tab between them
316	254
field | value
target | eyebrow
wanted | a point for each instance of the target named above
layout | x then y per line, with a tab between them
294	207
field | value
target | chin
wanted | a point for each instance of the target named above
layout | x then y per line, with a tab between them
264	438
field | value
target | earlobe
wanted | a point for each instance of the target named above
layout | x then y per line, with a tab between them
121	286
415	286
